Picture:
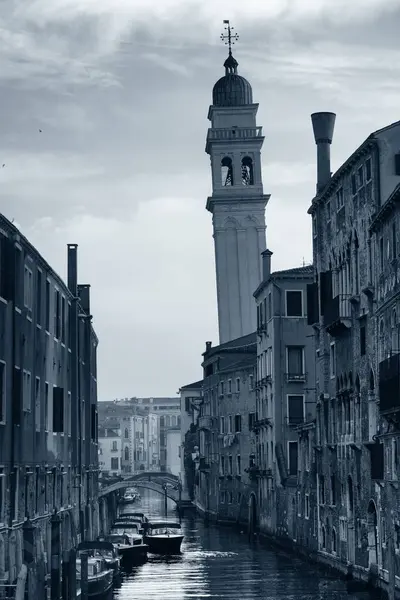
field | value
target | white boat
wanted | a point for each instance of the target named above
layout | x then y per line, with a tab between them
163	537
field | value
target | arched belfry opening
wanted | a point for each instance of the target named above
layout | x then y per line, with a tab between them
247	171
226	171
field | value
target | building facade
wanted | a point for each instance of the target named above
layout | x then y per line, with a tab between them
48	407
225	482
110	449
355	295
285	391
191	396
173	436
237	202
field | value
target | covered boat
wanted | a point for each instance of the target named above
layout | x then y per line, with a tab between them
163	537
103	549
100	577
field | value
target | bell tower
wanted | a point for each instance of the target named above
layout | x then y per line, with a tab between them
237	202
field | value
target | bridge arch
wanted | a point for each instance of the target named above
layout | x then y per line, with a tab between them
152	480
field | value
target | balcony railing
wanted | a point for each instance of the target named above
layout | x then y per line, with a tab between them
234	133
206	422
293	377
337	314
389	385
204	465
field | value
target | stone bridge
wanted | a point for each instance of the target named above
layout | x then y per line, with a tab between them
158	481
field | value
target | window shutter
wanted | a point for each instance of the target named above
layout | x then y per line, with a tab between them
325	290
377	462
312	303
397	164
58	410
17	396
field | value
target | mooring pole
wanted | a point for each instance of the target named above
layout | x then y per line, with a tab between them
84	576
55	557
165	500
72	575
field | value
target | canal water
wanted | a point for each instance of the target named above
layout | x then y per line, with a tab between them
219	563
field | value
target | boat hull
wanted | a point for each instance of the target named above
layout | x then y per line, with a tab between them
100	584
133	554
164	544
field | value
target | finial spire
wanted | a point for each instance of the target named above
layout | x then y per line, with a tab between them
229	39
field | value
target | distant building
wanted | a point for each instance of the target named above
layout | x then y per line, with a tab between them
191	396
225	482
147	421
173	436
110	450
48	407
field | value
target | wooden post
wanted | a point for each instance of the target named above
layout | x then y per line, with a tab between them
391	548
55	557
84	576
65	575
165	501
72	575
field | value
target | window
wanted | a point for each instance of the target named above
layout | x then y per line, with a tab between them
252	421
2	495
363	339
332	360
230	424
2	392
226	172
126	433
221	386
342	529
334	544
222	424
114	464
321	489
293	458
229	386
230	465
333	490
360	177
251	382
46	406
63	319
238	423
222	465
381	254
307	506
295	409
314	226
295	361
237	384
28	288
230	497
353	185
294	303
39	297
37	403
126	451
368	169
247	171
26	391
339	199
114	447
57	314
47	305
58	409
238	465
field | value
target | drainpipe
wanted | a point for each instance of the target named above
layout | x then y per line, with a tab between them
318	516
12	473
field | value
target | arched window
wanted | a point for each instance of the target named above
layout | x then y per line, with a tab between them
226	171
334	541
126	453
126	434
323	538
247	171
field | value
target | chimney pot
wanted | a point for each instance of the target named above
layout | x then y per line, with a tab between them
323	124
208	346
266	264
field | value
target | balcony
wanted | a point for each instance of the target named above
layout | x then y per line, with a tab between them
261	424
295	377
253	472
389	385
234	133
204	466
206	422
337	314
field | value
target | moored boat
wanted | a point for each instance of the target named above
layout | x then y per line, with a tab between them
163	537
100	577
130	546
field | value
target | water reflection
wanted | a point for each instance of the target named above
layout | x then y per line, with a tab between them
218	563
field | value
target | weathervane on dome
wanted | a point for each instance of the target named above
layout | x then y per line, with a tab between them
228	38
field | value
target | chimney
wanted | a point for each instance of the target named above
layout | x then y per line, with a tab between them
266	264
323	125
208	346
73	268
84	296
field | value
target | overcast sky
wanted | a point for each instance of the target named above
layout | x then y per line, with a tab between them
120	90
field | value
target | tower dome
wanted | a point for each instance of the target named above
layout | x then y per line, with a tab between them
232	89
